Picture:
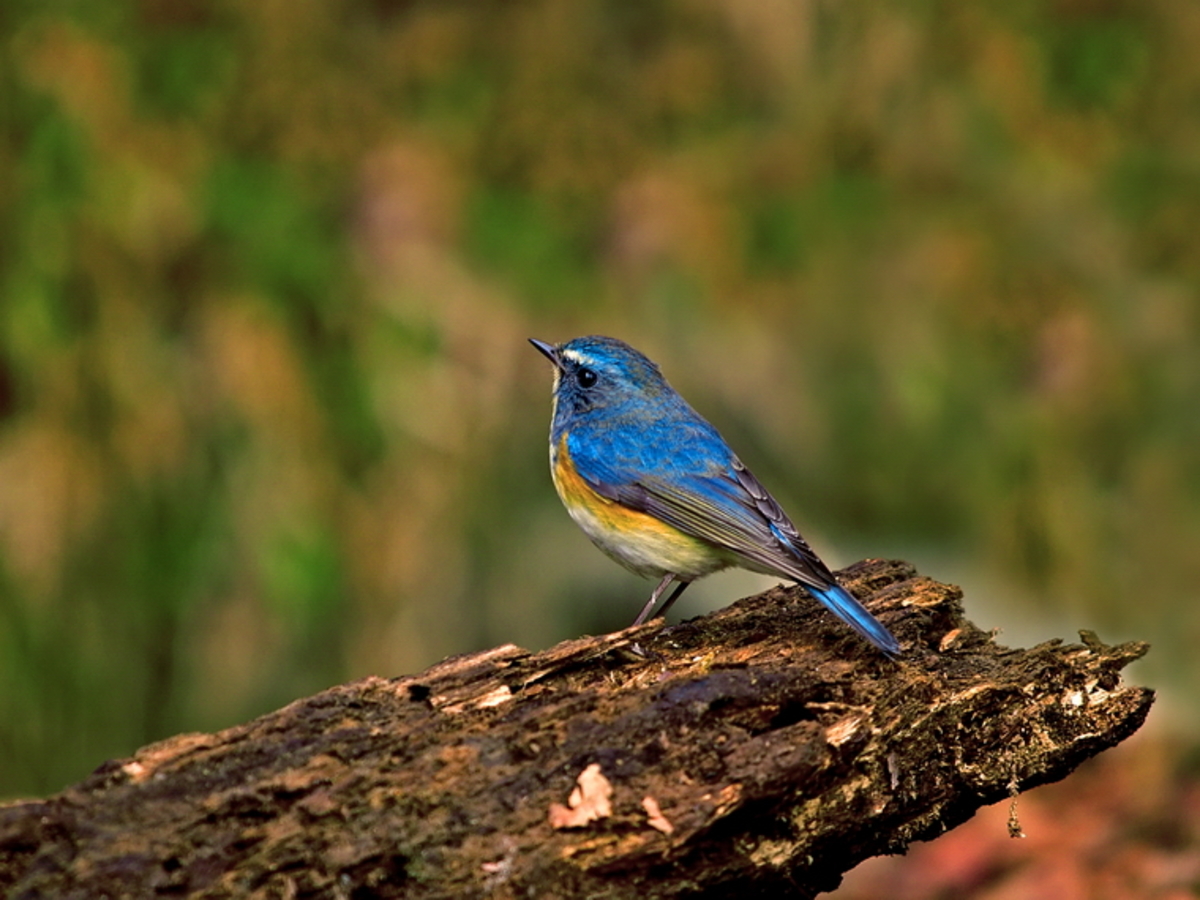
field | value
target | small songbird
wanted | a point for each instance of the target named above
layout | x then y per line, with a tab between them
656	487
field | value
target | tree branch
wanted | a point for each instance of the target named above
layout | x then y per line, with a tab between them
759	749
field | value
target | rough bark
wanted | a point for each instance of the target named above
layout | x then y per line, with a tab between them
777	749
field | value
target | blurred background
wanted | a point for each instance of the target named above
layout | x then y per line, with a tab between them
269	422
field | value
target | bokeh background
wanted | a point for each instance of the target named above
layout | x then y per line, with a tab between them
268	420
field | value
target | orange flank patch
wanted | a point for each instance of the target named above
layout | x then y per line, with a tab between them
638	541
578	494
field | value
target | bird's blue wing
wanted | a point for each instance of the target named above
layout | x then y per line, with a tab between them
704	490
700	487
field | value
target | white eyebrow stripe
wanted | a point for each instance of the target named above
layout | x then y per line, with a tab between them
578	358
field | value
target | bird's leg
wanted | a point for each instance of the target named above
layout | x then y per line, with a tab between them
679	588
645	613
662	586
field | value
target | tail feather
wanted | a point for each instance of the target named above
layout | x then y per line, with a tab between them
845	607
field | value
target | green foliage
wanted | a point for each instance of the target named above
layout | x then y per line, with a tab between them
514	236
1095	62
268	420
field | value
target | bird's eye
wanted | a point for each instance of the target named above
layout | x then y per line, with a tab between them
586	377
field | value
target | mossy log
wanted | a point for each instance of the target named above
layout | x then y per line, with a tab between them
762	750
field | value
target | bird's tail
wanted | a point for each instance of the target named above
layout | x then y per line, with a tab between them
854	614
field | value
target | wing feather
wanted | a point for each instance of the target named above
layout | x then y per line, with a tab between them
733	512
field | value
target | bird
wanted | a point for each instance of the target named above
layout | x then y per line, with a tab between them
657	488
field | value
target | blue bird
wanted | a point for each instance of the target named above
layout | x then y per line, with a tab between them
655	487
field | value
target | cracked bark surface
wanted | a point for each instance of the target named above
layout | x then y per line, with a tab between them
777	751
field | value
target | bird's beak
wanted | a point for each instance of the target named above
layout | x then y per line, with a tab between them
549	350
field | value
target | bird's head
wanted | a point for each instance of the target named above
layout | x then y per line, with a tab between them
594	373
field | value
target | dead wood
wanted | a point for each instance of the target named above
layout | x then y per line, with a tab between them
759	751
